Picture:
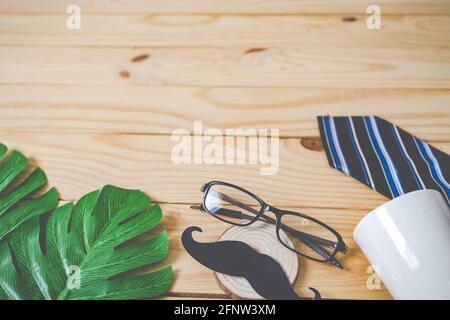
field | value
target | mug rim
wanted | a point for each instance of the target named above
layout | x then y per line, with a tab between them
389	203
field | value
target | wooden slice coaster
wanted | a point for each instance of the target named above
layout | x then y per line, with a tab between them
262	237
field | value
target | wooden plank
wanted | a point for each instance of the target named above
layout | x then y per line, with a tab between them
389	67
250	32
134	109
78	163
350	283
227	6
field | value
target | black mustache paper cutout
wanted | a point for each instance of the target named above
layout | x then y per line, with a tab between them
236	258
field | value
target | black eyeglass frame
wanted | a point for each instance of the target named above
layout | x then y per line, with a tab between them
338	246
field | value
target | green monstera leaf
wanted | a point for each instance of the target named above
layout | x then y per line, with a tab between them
82	251
15	187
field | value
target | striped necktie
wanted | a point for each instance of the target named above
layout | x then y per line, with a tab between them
383	156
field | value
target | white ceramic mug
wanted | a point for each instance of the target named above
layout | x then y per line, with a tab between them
407	241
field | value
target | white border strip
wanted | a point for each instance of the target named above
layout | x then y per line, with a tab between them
386	155
378	157
361	152
338	146
409	158
436	165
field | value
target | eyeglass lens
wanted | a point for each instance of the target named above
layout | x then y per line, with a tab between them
231	204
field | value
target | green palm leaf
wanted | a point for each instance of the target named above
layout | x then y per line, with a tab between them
40	258
15	186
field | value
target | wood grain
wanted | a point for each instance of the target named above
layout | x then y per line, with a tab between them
228	6
97	106
78	163
138	110
261	32
331	282
302	67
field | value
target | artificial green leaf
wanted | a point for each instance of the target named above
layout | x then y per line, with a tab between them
90	239
15	187
26	210
3	151
10	281
38	256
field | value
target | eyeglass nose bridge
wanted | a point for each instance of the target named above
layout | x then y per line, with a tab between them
269	208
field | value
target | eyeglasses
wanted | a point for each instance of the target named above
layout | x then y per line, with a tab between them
313	239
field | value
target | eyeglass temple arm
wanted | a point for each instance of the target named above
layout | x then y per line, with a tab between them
296	233
313	242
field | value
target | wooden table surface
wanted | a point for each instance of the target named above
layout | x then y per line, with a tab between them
97	106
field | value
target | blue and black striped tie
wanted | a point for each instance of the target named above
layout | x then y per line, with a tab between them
383	156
